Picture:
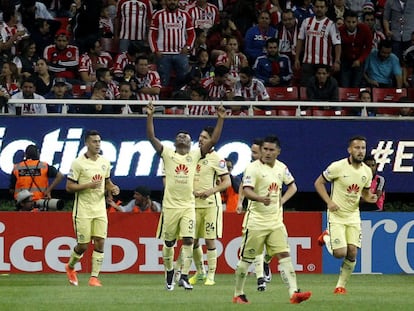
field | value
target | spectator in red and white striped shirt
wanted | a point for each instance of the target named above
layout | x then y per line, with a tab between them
218	87
123	59
204	14
171	38
92	60
148	84
250	88
131	23
317	35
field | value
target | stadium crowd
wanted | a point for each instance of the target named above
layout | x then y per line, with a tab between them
204	50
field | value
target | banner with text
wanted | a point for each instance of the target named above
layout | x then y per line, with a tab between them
308	145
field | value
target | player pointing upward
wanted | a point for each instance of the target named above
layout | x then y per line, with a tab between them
178	213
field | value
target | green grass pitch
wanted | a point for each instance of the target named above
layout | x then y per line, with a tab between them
121	292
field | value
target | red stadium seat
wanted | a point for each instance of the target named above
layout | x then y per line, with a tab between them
283	93
388	95
302	93
265	112
323	112
166	92
174	110
349	94
286	112
289	93
64	23
81	90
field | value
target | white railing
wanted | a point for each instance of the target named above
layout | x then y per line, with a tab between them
299	106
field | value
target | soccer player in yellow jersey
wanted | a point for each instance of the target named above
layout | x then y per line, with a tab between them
350	179
263	181
178	213
211	177
89	179
261	267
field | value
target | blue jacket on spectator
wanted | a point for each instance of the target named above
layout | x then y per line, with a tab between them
265	67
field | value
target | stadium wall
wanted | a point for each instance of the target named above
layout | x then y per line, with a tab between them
308	144
41	243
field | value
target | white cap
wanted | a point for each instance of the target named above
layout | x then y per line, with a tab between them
23	195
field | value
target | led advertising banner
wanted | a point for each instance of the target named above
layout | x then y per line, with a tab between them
308	145
387	245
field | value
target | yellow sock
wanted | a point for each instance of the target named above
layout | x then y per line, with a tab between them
241	274
168	257
97	259
288	274
198	259
179	263
258	266
187	257
74	259
212	263
346	270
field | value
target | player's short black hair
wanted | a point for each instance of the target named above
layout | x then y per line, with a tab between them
209	130
182	132
356	137
91	133
273	139
258	141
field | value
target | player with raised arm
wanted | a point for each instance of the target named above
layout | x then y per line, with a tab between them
263	227
178	214
350	180
89	179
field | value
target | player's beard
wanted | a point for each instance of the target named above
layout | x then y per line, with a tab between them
357	160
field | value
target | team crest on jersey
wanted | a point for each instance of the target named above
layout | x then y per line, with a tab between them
97	177
209	15
189	159
69	54
182	169
222	164
198	168
273	187
364	179
353	188
179	18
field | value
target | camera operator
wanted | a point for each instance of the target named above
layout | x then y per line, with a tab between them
32	175
24	202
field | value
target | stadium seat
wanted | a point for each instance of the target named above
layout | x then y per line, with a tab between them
283	93
166	92
64	23
349	94
81	90
289	93
323	112
174	110
110	45
265	112
388	95
302	93
286	112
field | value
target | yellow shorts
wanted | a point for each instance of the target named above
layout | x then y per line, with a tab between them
86	228
175	223
209	223
342	235
253	242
